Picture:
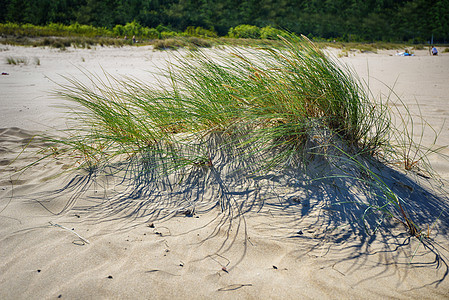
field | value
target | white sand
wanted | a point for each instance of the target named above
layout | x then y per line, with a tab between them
258	256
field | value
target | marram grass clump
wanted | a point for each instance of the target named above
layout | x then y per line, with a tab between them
269	97
270	108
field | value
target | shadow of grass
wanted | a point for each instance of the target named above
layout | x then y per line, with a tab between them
325	202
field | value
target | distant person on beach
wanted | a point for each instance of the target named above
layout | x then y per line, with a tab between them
434	51
134	39
405	53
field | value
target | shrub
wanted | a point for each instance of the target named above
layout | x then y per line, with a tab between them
119	30
150	33
135	29
168	34
271	33
245	31
200	32
132	29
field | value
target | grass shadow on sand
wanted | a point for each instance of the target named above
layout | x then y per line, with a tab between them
319	205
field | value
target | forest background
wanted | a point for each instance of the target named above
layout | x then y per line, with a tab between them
416	21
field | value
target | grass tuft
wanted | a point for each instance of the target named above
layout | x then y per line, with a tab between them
271	108
16	60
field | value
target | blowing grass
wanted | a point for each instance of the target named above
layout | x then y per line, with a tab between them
271	109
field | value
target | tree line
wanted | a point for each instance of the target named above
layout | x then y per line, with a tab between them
351	20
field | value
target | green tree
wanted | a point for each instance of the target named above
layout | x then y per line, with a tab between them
415	20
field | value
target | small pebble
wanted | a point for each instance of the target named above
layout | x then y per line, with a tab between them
295	199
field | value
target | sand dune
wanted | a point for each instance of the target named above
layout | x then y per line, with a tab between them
67	235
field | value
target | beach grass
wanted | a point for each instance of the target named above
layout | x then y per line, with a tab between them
13	60
271	107
16	60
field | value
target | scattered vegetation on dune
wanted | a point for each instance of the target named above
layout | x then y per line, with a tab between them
12	60
16	60
84	36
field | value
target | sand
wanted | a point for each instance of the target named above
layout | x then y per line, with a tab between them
109	245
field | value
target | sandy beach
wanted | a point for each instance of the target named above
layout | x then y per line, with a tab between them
109	245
